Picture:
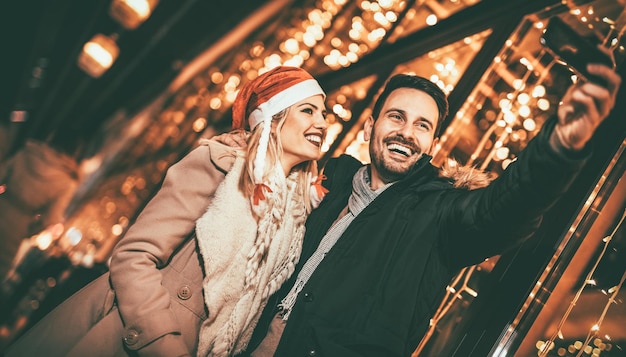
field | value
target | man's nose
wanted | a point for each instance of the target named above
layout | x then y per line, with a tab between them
406	130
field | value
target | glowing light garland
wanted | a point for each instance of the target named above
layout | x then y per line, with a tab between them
593	331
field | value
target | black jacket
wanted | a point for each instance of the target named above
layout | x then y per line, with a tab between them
375	291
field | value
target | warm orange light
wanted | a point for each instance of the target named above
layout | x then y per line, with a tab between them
98	55
132	13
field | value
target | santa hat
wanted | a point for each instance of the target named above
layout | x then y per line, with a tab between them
265	96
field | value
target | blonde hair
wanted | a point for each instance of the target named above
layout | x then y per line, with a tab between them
307	170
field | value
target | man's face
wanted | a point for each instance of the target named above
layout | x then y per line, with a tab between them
403	131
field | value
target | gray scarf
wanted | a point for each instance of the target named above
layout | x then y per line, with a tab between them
362	195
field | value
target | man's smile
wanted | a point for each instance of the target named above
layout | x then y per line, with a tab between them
401	146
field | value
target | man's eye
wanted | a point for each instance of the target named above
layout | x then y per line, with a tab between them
425	126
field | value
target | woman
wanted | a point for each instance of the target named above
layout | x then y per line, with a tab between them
248	211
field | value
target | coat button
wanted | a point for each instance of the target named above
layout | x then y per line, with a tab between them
308	297
131	337
312	353
184	292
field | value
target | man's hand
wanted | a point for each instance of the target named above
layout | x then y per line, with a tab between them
585	105
235	138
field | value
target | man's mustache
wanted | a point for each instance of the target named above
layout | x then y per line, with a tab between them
396	139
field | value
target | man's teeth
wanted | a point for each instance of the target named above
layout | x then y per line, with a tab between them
317	140
400	149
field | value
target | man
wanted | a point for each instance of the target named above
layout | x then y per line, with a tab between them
388	237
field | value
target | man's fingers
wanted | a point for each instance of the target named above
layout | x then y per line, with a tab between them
590	105
604	94
602	99
613	80
241	140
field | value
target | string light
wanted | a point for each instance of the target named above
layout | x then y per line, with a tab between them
98	55
596	327
131	13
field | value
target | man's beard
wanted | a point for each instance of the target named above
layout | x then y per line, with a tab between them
387	171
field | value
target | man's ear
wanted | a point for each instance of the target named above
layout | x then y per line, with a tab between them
433	147
367	128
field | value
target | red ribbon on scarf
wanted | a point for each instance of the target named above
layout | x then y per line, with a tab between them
259	195
319	189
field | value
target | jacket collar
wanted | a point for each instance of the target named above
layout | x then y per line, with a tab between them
222	156
451	174
423	176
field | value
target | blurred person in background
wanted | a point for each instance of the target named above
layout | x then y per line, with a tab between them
37	183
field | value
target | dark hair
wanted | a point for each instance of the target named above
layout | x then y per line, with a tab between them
414	82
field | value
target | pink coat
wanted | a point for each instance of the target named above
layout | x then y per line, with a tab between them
158	294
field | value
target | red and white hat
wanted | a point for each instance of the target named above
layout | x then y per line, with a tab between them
265	96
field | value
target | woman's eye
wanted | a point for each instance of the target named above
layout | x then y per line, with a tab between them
307	110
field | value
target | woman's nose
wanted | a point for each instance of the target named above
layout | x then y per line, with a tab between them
320	121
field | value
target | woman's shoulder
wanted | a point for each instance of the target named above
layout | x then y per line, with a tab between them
220	155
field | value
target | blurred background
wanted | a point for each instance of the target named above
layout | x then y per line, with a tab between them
98	98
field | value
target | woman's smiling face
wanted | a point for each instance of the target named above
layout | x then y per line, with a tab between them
302	132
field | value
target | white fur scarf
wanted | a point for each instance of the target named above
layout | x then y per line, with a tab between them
245	262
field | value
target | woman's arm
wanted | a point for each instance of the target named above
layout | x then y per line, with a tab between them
160	229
